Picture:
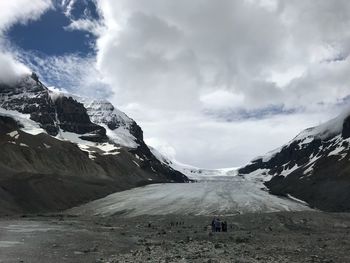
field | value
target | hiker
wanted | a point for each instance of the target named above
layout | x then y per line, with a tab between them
224	226
213	225
217	225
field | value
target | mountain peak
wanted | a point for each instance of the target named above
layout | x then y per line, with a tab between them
311	166
35	77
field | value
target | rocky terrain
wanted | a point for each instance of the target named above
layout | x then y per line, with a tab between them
314	166
59	151
263	237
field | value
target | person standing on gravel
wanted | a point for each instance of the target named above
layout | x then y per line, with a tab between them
224	226
213	224
217	225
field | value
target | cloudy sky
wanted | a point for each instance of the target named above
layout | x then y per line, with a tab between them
212	83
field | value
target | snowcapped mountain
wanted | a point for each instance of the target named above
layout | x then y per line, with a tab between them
313	167
195	173
118	125
84	149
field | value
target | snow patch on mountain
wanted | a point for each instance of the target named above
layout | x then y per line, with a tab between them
14	134
55	93
32	127
287	171
29	126
337	151
325	130
91	147
116	122
103	113
261	175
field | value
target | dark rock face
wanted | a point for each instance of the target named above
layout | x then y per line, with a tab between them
289	156
8	124
328	188
30	96
346	128
315	169
136	131
73	117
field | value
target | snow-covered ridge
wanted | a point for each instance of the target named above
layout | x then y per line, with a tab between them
304	152
324	131
196	173
116	122
103	113
32	127
193	172
328	129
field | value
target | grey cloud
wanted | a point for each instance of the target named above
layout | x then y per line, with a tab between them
216	82
242	61
208	45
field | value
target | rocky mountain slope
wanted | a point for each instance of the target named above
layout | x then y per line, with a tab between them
58	152
313	167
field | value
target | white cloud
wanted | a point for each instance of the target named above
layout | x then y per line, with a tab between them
68	5
21	11
10	68
212	144
222	99
163	147
85	24
156	52
11	12
210	82
171	62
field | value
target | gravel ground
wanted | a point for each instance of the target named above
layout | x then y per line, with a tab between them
258	237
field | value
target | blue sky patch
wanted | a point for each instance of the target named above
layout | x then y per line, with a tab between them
48	35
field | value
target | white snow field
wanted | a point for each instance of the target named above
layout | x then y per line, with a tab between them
193	172
225	196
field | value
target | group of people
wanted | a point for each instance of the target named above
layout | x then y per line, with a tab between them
218	226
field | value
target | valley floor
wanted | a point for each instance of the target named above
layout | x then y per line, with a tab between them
306	236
